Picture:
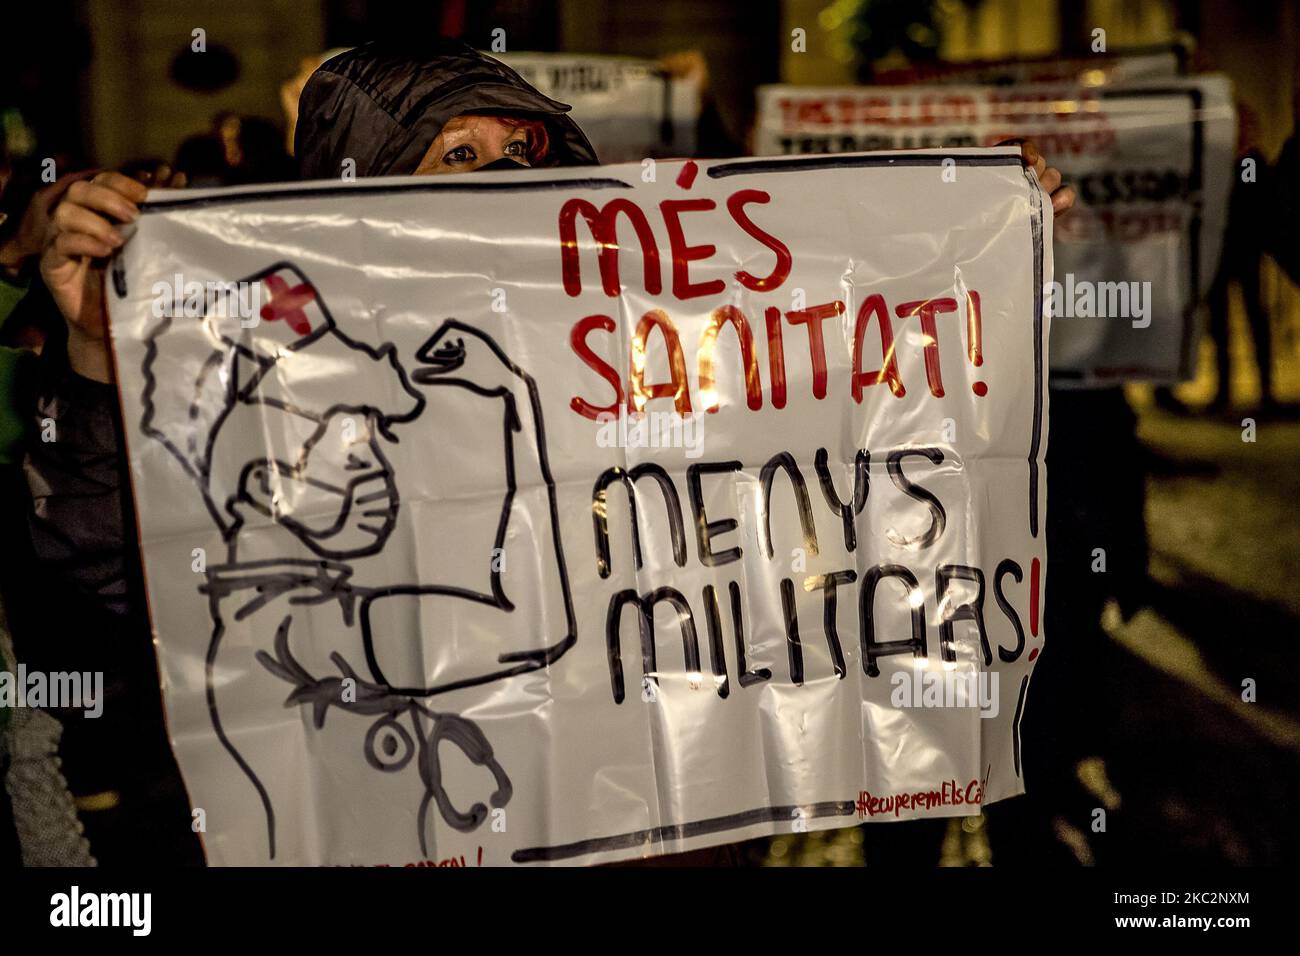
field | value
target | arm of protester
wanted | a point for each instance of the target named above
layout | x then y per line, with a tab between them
84	230
18	254
78	477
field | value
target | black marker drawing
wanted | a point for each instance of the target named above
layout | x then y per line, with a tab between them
306	523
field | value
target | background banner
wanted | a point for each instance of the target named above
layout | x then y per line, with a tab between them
566	516
1152	163
1095	69
629	108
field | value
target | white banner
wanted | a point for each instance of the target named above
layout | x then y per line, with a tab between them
1152	166
425	593
1095	69
629	109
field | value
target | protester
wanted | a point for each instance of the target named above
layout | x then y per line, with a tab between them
1281	242
1249	212
380	109
236	151
28	737
385	110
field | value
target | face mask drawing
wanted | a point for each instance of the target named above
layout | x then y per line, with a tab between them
273	385
339	497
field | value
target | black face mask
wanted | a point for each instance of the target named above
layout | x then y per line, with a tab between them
504	163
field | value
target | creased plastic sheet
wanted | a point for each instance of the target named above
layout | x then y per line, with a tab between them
1151	162
422	591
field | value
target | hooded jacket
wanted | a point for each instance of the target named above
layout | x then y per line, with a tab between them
383	103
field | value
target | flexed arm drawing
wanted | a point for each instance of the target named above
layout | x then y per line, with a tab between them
520	555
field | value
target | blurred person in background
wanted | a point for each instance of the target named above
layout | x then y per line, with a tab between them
1251	212
202	161
234	151
1244	239
1282	244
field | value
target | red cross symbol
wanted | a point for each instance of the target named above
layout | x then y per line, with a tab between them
287	303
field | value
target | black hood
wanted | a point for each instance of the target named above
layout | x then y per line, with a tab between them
383	103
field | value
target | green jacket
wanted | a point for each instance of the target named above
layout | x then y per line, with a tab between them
11	421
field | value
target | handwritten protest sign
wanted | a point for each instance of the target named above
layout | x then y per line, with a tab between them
1152	166
561	516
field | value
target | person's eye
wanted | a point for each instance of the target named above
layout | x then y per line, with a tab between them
518	148
461	154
